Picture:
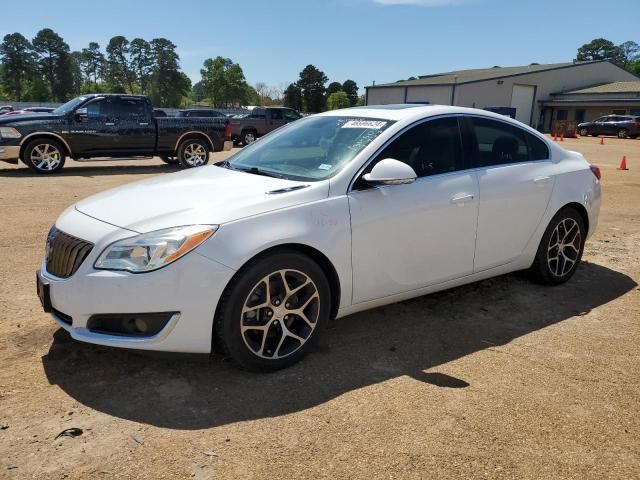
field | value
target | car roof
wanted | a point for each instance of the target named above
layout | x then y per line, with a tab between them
408	111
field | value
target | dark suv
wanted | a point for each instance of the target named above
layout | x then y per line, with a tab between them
622	126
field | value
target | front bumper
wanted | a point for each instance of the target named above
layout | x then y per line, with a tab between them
10	153
191	286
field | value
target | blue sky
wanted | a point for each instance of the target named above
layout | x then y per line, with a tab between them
365	40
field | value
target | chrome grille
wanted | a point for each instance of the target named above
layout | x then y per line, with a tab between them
65	253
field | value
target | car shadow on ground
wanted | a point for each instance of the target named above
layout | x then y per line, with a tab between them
409	338
76	169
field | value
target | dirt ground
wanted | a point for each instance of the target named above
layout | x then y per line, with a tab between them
499	379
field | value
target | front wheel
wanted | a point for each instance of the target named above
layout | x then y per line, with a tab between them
584	132
273	311
623	133
193	152
44	156
560	249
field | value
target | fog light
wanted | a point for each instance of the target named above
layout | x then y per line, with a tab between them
130	325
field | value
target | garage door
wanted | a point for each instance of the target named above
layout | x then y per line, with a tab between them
522	101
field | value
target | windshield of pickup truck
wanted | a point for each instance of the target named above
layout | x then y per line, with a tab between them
70	105
310	149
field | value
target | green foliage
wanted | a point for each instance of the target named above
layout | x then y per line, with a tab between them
599	49
117	72
18	64
224	83
311	84
54	62
92	63
351	89
168	84
38	91
333	88
141	62
361	101
293	97
338	100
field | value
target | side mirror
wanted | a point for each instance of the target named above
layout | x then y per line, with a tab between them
81	113
390	172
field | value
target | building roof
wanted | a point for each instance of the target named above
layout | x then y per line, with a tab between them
615	87
479	74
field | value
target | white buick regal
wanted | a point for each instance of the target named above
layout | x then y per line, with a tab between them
333	214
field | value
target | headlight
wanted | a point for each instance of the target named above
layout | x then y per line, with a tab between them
153	250
9	132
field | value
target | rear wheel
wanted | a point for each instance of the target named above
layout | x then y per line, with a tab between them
248	137
193	152
273	311
584	132
623	133
44	156
560	249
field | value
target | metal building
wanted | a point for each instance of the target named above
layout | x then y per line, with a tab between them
534	94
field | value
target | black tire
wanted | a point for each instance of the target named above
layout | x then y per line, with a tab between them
191	148
623	133
248	137
169	160
51	153
544	269
584	132
633	136
228	336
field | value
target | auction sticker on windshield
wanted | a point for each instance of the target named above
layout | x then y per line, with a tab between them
374	124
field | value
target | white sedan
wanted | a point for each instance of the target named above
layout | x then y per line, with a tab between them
333	214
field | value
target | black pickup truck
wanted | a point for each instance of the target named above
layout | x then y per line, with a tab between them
115	126
260	121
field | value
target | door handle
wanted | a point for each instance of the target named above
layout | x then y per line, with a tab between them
462	198
541	180
110	124
143	124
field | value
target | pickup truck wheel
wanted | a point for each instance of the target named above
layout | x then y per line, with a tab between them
249	137
193	152
168	159
44	156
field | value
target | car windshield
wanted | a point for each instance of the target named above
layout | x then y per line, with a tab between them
310	149
70	105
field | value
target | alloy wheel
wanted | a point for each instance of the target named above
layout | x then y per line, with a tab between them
195	155
584	132
45	157
249	138
280	314
564	247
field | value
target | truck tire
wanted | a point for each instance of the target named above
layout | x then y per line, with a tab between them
248	137
193	152
44	155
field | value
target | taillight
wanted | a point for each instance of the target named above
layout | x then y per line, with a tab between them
596	171
227	130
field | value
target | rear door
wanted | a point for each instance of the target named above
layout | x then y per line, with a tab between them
136	126
276	119
516	177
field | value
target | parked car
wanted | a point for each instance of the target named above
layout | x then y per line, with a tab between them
260	121
117	126
330	215
199	112
5	109
622	126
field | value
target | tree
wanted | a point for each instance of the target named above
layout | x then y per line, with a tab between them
18	64
197	92
168	84
351	89
292	97
338	100
75	60
311	84
92	63
361	101
262	92
630	52
118	73
54	62
225	84
599	49
333	88
141	62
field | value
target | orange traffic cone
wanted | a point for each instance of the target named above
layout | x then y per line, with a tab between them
555	139
623	163
601	140
562	137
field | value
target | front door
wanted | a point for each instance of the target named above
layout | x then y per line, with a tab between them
96	132
405	237
515	176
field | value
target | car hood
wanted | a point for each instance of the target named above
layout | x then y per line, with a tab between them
205	195
17	118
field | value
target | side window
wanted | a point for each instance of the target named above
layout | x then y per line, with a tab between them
258	114
292	115
430	148
499	143
276	114
130	109
98	110
538	150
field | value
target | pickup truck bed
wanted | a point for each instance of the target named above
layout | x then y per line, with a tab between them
260	121
116	126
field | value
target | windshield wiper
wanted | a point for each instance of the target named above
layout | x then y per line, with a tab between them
257	171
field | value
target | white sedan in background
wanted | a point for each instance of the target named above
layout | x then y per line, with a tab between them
333	214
